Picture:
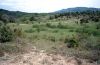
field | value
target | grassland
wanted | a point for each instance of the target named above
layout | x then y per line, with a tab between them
66	37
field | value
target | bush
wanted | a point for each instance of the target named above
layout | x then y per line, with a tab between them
18	32
52	38
61	26
48	24
95	19
98	26
55	31
35	26
83	21
6	34
30	31
71	42
51	26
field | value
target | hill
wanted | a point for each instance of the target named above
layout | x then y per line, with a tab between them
77	9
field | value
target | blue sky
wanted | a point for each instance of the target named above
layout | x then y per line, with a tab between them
46	5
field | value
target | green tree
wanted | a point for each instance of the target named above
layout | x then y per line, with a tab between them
32	18
6	33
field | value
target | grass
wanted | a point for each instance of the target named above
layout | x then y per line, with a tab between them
51	36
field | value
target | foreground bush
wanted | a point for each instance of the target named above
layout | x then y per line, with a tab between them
6	34
71	42
18	32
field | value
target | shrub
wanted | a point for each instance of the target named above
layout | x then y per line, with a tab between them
98	26
18	32
30	31
35	26
95	19
71	42
6	34
97	47
32	18
48	24
55	31
51	26
83	21
52	38
61	26
71	30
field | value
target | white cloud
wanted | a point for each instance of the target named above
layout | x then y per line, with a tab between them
46	5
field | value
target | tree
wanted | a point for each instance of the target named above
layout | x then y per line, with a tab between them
83	21
6	33
4	18
32	18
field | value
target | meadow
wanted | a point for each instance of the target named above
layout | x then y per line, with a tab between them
64	37
68	36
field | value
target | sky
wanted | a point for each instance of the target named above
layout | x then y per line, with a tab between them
45	6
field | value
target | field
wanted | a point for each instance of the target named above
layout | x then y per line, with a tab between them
55	36
62	34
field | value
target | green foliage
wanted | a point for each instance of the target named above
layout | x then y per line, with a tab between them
50	25
41	29
18	32
30	31
84	20
55	31
32	18
71	42
95	19
52	33
60	25
5	18
35	26
98	26
89	30
52	38
6	34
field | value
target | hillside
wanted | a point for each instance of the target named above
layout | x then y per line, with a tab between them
12	13
71	38
77	9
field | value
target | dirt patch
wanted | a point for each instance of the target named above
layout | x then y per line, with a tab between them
36	57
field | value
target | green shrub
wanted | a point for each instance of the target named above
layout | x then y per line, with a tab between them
51	26
52	38
18	32
55	31
98	26
71	30
71	42
84	20
6	34
48	24
95	19
41	29
61	26
96	33
30	31
89	31
35	26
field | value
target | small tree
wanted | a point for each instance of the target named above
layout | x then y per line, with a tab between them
32	18
4	18
83	21
6	34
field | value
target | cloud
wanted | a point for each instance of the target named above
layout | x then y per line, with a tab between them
45	5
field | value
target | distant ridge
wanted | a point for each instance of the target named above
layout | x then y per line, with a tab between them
77	9
12	13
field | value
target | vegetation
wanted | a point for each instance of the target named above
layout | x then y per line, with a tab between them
74	33
6	33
